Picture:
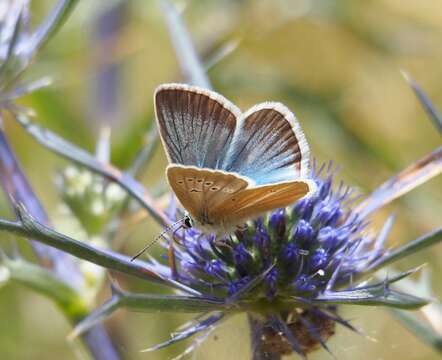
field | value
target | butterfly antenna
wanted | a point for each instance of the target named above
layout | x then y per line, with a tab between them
165	231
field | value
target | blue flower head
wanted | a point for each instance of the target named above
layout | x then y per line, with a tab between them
283	263
286	270
317	242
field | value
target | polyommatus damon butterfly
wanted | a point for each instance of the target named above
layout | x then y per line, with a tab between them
227	166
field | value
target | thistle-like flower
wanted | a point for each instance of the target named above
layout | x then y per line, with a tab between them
289	268
93	201
288	271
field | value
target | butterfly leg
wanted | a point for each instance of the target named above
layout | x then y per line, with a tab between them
171	254
240	231
223	243
171	251
172	260
243	227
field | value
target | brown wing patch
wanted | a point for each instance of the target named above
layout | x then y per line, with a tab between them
255	201
270	146
200	190
189	119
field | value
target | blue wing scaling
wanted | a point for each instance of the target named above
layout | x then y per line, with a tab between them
201	128
196	125
268	146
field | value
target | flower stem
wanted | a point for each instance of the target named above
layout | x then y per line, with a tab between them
420	243
190	63
61	265
256	334
30	228
52	23
99	344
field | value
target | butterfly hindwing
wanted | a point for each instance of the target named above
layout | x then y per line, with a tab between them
200	190
268	146
216	197
196	125
255	201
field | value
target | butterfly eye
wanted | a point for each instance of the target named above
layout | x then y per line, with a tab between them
188	223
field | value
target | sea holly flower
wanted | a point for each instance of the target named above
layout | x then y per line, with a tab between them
92	200
288	271
313	253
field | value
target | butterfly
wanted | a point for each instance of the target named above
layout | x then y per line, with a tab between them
225	166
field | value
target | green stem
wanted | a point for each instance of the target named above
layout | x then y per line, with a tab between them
169	303
421	243
46	283
256	335
52	23
419	328
191	66
148	303
30	228
73	153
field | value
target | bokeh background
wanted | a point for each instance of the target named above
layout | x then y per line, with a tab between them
335	63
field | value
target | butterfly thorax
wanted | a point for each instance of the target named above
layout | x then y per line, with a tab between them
220	227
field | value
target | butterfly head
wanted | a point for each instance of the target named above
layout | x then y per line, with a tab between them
188	222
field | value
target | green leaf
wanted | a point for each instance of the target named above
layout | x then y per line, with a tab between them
46	283
72	152
372	298
408	179
200	324
412	247
28	227
426	103
373	295
427	323
147	303
419	328
52	23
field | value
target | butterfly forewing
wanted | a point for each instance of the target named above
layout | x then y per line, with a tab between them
196	125
268	146
200	190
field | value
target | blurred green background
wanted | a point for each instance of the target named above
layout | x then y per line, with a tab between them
336	64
